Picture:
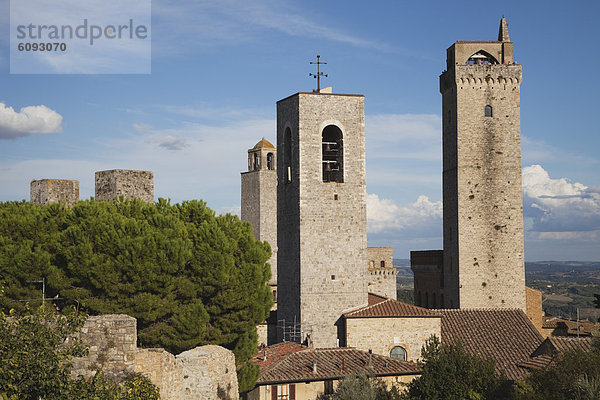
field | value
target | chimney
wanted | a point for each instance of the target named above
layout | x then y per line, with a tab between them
264	355
314	365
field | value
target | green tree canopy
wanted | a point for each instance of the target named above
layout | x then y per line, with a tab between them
451	373
189	277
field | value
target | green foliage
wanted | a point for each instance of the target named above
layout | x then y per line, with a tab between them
34	358
132	387
247	375
448	372
189	277
574	375
361	387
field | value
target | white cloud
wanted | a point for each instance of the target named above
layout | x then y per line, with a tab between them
29	120
557	205
423	217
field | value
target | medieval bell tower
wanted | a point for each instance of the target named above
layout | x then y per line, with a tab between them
259	200
483	265
321	219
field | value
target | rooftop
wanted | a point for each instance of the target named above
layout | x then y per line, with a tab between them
294	363
379	306
505	335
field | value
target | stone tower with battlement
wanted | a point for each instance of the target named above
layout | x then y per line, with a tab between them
259	198
321	214
483	264
50	191
114	183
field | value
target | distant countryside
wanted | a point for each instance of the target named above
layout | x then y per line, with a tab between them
566	286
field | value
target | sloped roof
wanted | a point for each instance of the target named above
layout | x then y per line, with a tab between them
379	306
552	346
263	144
569	326
335	363
268	355
505	335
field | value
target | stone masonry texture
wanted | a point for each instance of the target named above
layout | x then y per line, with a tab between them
112	341
381	272
259	201
163	370
114	183
483	209
50	191
206	370
321	226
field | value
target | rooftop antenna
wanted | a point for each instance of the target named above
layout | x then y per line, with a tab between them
319	74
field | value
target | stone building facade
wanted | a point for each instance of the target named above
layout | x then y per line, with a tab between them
114	183
321	214
50	191
427	267
483	260
259	200
381	273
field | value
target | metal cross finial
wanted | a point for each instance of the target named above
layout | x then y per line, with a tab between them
319	74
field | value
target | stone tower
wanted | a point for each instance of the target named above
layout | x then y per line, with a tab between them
321	214
49	191
259	199
483	263
112	184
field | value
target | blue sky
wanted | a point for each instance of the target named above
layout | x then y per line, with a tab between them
218	67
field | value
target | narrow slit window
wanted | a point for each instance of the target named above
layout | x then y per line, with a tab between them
287	154
270	164
488	111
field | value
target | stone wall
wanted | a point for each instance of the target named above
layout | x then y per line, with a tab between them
112	341
162	368
381	272
409	332
427	267
207	370
114	183
195	374
322	239
483	208
50	191
534	308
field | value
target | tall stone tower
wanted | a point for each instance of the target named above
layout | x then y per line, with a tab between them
130	184
259	199
483	263
321	213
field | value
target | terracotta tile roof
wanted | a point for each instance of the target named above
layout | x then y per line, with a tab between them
558	344
539	362
546	353
331	364
505	335
263	144
563	326
266	356
379	306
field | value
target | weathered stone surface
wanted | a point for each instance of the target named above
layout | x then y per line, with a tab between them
50	191
483	208
112	184
112	345
162	368
383	334
381	272
427	267
206	370
321	226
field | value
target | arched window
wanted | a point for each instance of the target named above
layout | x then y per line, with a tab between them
419	298
270	161
433	302
287	154
442	300
333	154
488	111
482	57
256	162
426	304
382	264
398	353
